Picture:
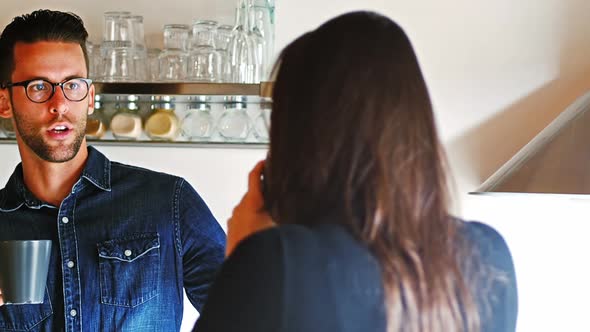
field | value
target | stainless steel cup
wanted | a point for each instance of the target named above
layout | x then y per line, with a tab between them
23	270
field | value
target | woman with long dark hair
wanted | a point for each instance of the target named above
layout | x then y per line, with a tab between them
350	229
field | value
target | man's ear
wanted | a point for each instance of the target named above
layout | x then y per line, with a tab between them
5	105
91	100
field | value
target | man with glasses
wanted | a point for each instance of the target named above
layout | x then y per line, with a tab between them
126	240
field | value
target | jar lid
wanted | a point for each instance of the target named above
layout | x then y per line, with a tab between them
199	106
234	105
200	99
236	99
132	106
163	106
163	99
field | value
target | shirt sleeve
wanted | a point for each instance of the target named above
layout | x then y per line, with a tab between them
248	292
200	241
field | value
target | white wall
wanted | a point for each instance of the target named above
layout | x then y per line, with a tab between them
548	240
498	71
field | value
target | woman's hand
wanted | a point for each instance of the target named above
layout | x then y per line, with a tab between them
1	300
249	216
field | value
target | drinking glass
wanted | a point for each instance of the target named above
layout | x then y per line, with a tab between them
117	53
118	63
222	40
116	26
204	60
241	48
91	51
137	37
259	50
173	60
137	33
261	23
153	63
23	271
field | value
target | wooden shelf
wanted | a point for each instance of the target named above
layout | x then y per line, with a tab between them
264	89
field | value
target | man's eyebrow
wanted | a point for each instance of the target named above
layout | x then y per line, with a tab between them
48	80
72	77
34	78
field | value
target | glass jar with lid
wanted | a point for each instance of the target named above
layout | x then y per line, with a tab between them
95	124
162	124
261	124
126	123
234	123
198	123
7	127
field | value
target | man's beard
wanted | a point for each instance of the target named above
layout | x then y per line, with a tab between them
59	154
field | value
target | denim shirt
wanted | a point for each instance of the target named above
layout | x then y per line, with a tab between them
126	241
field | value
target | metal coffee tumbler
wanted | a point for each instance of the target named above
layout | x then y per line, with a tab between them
23	270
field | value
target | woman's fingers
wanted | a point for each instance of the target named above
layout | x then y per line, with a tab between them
249	216
254	177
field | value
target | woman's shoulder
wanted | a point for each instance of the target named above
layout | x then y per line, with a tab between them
497	291
491	245
481	231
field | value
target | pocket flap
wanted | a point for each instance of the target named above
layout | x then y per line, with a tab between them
129	248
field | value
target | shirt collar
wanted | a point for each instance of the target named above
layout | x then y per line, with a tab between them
97	171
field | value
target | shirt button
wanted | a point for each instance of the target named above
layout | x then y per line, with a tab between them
73	313
70	264
127	252
65	220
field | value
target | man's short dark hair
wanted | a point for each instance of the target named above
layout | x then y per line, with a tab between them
40	25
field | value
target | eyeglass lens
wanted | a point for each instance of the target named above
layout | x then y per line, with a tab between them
40	90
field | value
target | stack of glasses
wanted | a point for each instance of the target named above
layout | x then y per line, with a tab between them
251	46
204	52
122	54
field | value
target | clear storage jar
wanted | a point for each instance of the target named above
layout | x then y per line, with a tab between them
198	123
234	123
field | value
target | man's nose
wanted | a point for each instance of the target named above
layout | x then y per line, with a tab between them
58	103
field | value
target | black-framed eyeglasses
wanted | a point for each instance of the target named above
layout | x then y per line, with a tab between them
40	90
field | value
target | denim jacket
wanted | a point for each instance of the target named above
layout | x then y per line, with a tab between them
126	242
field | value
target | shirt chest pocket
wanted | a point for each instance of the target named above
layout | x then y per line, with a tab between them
129	269
25	317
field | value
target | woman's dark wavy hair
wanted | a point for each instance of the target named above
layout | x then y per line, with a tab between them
353	142
40	25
